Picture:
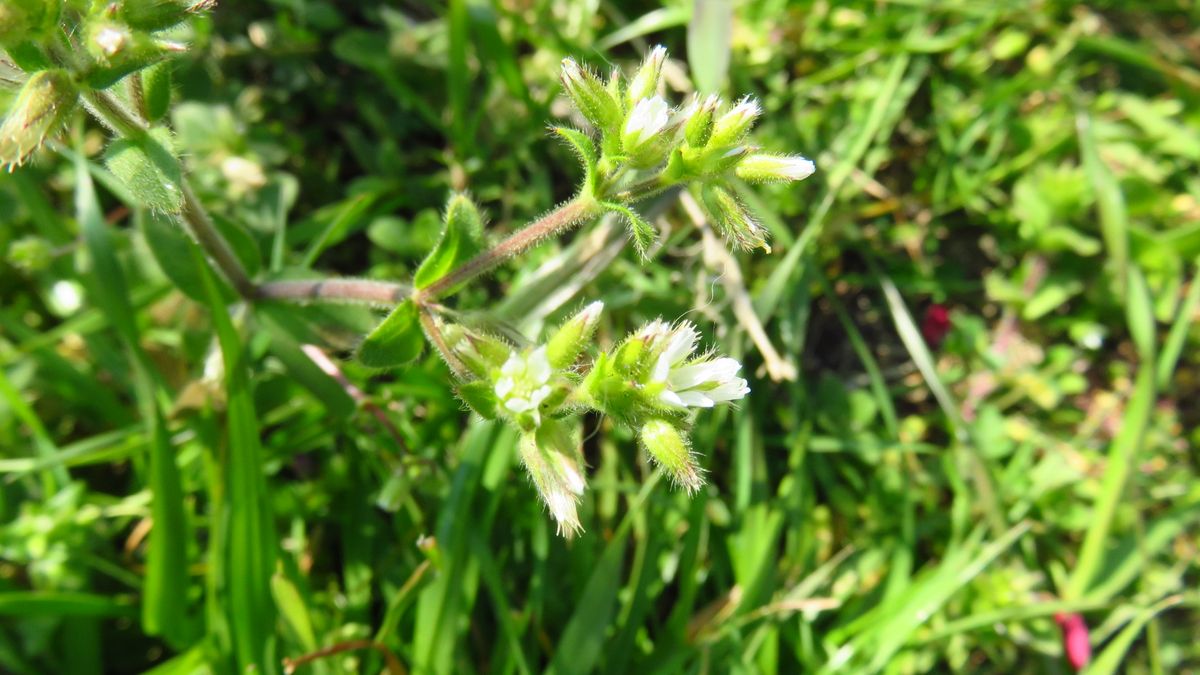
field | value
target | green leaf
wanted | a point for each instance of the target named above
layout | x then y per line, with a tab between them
168	245
585	149
643	232
156	90
462	238
395	341
148	167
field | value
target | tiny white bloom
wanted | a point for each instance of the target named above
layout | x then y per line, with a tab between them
647	119
111	40
695	383
523	382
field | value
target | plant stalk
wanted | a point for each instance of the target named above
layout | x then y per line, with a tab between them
554	223
382	293
195	219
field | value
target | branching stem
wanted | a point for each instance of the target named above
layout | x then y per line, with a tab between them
125	122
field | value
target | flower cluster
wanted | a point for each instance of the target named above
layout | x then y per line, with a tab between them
648	383
646	146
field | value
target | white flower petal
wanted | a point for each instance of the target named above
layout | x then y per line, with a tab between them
539	395
538	366
504	386
682	343
729	391
671	398
695	399
517	405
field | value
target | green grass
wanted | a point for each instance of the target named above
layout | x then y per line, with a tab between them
183	488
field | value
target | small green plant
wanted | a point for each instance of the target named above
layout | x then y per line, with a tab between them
110	56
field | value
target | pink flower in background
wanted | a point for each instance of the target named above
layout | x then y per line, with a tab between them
1076	644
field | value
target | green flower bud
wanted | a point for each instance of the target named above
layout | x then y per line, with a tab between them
159	14
590	97
645	82
569	341
766	168
118	49
40	109
552	457
699	126
730	128
481	354
670	449
731	219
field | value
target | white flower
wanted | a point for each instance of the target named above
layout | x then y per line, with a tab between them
523	382
111	40
763	167
696	383
646	120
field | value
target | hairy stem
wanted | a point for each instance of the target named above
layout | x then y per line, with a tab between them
114	114
554	223
434	332
383	293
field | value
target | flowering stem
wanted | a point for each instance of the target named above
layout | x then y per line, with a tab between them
556	222
128	124
382	293
434	332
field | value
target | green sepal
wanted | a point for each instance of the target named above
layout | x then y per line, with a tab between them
479	395
156	90
155	15
28	56
462	238
572	338
148	168
643	232
396	341
585	149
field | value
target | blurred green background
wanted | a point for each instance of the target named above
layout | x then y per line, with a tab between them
987	294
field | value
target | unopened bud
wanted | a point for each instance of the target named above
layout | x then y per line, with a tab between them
733	125
645	82
732	220
40	109
766	168
552	458
590	96
479	353
699	126
159	14
569	341
670	450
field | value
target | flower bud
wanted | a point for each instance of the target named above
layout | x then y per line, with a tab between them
569	341
670	450
159	14
40	109
732	220
481	354
733	125
119	50
645	82
552	458
699	126
766	168
590	96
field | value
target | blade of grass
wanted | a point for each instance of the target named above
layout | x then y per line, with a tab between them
164	596
1111	660
1172	348
251	541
